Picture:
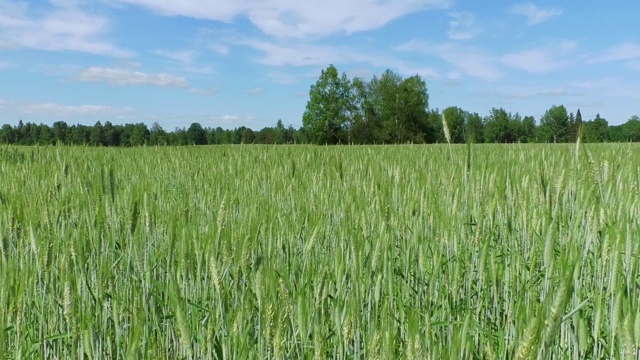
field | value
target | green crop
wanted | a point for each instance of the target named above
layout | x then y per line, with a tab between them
301	252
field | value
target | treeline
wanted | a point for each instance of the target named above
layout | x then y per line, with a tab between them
392	109
499	126
385	110
138	134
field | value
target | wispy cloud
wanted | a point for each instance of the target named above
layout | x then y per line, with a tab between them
254	91
227	121
541	60
306	54
289	18
634	65
626	51
534	14
129	77
467	59
281	77
59	111
597	84
610	86
411	70
220	49
4	65
528	94
62	28
463	26
185	56
234	120
211	91
295	54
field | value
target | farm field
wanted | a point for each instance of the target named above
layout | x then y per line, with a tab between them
287	252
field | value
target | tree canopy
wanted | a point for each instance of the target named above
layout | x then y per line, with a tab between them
387	109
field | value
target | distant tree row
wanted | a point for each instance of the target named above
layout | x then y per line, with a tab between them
138	134
499	126
385	110
392	109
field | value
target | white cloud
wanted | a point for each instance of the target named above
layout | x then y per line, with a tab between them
62	28
4	65
610	86
220	49
534	14
528	94
129	65
128	77
626	51
254	91
185	57
594	84
199	69
234	120
542	60
281	78
634	65
211	91
467	59
362	73
57	110
308	55
296	54
409	70
294	18
463	26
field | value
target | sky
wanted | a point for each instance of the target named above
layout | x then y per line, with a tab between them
232	63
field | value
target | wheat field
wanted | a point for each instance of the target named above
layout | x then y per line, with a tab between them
303	252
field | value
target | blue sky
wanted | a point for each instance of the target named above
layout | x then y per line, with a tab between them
249	63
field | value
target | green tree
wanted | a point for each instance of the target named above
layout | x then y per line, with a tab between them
196	134
528	129
597	130
267	135
434	132
554	125
289	135
412	110
474	128
111	134
496	128
616	134
572	129
280	130
327	114
59	130
45	135
34	133
248	137
79	134
578	119
97	135
396	109
157	135
631	129
27	133
515	129
364	129
179	137
455	118
7	135
135	135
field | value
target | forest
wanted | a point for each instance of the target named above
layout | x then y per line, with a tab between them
388	109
